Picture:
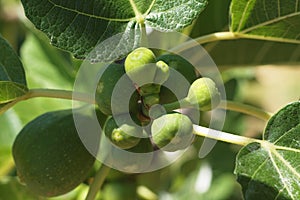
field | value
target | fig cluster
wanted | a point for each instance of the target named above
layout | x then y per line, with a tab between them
151	104
136	112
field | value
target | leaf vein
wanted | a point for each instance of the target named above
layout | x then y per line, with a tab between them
6	72
284	134
278	171
270	22
243	15
89	15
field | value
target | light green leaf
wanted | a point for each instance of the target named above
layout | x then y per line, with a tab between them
9	91
10	125
270	169
77	26
266	19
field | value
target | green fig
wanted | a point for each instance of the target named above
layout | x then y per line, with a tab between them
106	85
204	93
49	155
172	132
145	72
125	135
182	66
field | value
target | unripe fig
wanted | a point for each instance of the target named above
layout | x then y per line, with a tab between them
139	58
204	93
172	132
49	155
181	65
123	136
107	83
140	66
162	72
101	117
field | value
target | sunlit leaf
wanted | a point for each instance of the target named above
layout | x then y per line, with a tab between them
266	19
270	169
78	26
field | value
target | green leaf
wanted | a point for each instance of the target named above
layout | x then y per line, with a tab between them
12	75
11	68
44	63
270	169
216	22
11	189
10	125
273	19
9	91
174	15
78	27
245	52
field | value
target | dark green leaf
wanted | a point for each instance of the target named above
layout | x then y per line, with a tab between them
245	52
78	27
12	75
9	91
11	68
273	19
218	22
270	169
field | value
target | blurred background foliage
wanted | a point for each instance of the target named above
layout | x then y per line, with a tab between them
264	74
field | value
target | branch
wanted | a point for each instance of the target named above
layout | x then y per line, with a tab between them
50	93
98	181
222	136
205	39
247	109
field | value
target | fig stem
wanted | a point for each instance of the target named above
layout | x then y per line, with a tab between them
223	136
227	105
98	181
183	103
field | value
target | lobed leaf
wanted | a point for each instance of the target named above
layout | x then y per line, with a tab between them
271	169
273	19
77	26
